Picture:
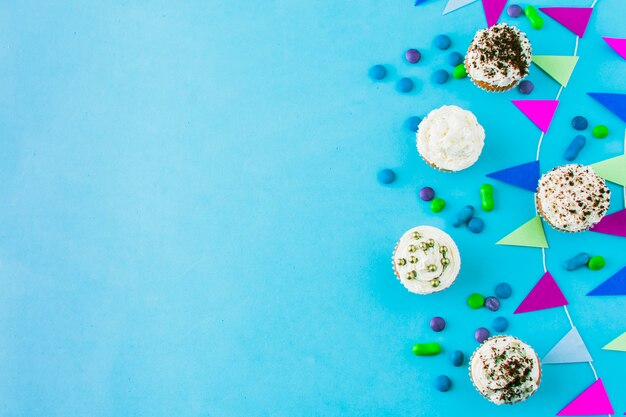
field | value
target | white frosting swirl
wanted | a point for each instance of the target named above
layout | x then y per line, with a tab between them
450	138
505	370
418	260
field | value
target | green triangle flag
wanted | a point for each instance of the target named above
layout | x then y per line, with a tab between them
529	234
613	169
558	67
618	343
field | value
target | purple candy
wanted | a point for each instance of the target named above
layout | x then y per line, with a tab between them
492	303
413	56
437	324
526	87
481	334
514	10
427	193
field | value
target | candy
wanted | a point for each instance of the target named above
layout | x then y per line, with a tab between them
574	148
577	261
412	56
526	87
596	263
454	58
475	301
463	216
492	303
514	10
437	205
459	71
579	123
386	176
503	290
533	16
426	349
440	76
377	72
457	358
600	131
412	123
481	334
443	383
404	85
486	197
437	324
442	42
500	324
427	194
476	225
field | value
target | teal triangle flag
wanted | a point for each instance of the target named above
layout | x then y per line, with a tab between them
570	349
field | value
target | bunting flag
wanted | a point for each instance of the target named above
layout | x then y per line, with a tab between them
525	176
453	5
418	2
530	234
615	285
493	10
540	112
613	224
616	103
618	344
570	349
613	169
592	401
545	294
573	18
560	68
618	45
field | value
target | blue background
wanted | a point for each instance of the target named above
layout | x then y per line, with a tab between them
191	225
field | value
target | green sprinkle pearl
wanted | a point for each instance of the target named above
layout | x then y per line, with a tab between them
437	205
426	349
600	131
475	301
459	71
596	263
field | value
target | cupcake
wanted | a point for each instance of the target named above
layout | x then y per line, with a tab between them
450	138
426	260
505	370
572	198
498	57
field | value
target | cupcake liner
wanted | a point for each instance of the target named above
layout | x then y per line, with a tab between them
544	217
490	88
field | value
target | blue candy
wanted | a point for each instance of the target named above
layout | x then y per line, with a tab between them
503	290
579	123
457	358
377	72
440	76
500	324
455	58
412	123
463	216
574	148
476	225
492	303
442	41
443	383
386	176
577	261
404	85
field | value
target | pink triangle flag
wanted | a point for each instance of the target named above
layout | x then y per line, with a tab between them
545	294
613	224
592	401
573	18
540	112
618	44
493	10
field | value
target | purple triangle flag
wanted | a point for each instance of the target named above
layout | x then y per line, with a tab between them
493	10
613	224
616	285
545	294
616	103
525	175
570	349
573	18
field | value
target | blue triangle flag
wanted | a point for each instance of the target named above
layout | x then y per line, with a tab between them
570	349
612	101
616	285
525	176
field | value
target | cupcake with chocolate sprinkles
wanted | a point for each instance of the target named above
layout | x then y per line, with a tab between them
498	57
505	370
572	198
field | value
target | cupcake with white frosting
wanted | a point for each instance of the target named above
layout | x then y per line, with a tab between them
426	260
498	57
572	198
505	370
450	138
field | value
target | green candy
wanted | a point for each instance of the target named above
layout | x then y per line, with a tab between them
596	263
486	197
475	301
459	71
426	349
437	205
600	131
533	16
